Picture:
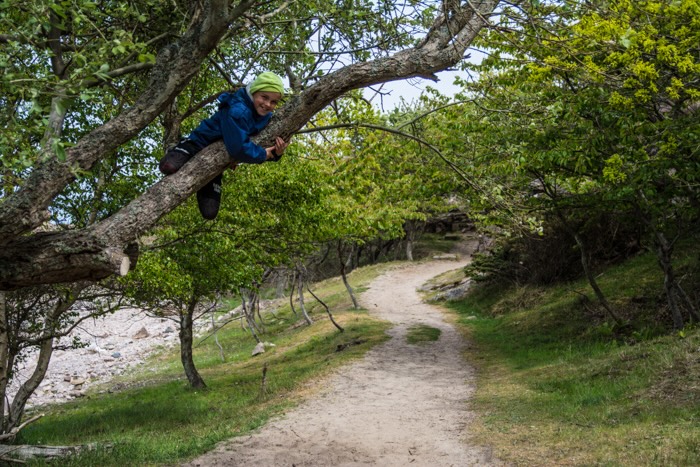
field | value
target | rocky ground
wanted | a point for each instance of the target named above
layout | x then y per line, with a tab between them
115	344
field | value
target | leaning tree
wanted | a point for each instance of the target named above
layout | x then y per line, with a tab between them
67	61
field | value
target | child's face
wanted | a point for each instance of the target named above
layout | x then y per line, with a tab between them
265	101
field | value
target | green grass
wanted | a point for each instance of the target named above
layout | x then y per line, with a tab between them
160	420
558	384
421	333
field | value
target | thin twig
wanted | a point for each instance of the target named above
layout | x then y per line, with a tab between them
12	433
328	310
216	339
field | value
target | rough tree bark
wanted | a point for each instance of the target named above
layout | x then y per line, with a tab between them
98	251
20	454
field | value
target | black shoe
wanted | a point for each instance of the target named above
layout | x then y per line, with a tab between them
209	198
178	156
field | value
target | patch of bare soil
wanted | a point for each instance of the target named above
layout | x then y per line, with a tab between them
401	405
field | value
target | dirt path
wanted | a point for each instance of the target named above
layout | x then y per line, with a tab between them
401	405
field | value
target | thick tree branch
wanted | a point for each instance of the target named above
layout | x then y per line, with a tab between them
176	64
47	258
97	251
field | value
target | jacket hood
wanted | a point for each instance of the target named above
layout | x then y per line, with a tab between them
243	97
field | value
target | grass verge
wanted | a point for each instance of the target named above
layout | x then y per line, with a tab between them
421	333
558	385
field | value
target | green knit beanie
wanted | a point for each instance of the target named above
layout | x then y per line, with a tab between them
267	81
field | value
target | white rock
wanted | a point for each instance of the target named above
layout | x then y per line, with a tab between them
77	381
93	348
260	348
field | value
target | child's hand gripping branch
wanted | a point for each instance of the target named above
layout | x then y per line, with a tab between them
273	153
241	115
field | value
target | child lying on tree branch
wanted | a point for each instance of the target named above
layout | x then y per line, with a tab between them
241	115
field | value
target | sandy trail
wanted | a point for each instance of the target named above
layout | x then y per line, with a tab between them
400	405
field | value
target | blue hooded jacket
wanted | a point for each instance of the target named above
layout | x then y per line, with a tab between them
235	122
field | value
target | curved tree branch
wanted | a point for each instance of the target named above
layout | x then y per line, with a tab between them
98	251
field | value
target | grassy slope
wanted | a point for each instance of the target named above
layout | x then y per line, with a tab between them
557	385
159	420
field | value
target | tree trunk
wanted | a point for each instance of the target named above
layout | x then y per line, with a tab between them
300	291
291	294
255	304
281	281
410	228
356	258
692	309
216	339
591	280
51	324
344	275
51	257
674	291
409	249
664	256
249	317
21	453
4	353
27	389
186	321
171	125
676	314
